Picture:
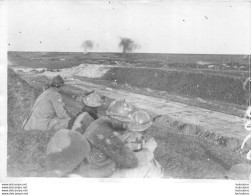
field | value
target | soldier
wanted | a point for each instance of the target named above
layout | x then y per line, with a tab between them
88	114
107	150
48	112
136	139
91	103
109	155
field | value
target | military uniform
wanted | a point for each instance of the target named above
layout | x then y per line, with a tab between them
147	167
111	157
47	113
82	122
107	151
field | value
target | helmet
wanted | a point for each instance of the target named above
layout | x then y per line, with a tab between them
57	81
121	110
239	172
140	121
92	100
65	151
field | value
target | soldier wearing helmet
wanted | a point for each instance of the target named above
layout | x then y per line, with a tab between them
136	130
135	138
89	112
48	112
109	155
107	150
91	103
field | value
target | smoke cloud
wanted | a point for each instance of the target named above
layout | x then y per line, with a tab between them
87	45
128	45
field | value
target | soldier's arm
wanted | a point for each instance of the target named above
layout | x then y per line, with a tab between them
147	153
119	152
144	156
148	144
58	106
104	139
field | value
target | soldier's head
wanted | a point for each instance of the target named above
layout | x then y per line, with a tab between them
57	82
91	103
141	121
120	113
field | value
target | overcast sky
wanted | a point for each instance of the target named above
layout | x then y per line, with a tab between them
214	27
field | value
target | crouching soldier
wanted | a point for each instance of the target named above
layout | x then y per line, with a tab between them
133	134
89	112
108	152
91	103
110	156
48	112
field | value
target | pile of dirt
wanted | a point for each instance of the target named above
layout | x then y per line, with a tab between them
26	150
21	97
189	84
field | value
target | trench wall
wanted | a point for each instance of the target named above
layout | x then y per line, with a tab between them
197	85
207	86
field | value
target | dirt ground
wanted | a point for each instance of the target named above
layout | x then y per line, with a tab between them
181	156
21	97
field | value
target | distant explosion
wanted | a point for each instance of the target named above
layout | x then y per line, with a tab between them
87	45
128	45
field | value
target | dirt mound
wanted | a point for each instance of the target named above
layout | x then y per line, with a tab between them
26	150
21	97
197	85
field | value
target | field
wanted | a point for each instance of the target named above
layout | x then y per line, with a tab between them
177	61
213	82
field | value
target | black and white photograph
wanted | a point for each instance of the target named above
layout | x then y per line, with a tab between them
128	89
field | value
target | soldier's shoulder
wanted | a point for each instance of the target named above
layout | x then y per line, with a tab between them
101	125
54	95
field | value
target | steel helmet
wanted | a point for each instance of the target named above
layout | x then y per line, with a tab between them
121	110
140	121
240	172
65	151
57	81
92	100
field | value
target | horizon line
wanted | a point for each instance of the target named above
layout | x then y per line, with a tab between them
131	53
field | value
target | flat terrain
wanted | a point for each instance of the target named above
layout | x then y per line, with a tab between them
182	61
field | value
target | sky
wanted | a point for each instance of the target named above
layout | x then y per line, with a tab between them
208	27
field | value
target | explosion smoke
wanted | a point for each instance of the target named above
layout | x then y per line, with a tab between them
87	45
128	45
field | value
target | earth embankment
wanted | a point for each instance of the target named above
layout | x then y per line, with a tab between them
197	85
